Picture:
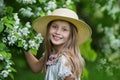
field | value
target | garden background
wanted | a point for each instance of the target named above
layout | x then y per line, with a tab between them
101	52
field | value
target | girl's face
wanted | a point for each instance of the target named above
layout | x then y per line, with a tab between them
59	32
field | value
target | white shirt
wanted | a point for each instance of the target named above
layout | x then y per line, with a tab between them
56	69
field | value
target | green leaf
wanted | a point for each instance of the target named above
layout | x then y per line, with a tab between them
2	46
12	69
9	10
11	21
20	44
9	25
8	55
8	20
85	73
87	52
33	51
11	76
5	54
40	1
1	27
42	13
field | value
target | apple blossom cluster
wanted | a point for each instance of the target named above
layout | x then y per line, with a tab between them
26	1
26	11
39	10
5	65
21	36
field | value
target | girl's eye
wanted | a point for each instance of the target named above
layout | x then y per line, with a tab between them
64	29
55	27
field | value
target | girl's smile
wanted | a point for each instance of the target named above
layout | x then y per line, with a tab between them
59	32
56	37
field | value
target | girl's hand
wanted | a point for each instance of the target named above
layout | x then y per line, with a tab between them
35	64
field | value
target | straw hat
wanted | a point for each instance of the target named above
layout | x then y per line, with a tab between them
84	31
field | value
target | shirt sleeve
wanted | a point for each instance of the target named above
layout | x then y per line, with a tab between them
63	70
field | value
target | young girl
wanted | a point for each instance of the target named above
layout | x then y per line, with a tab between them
63	33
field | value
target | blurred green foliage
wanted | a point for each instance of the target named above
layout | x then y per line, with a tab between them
104	18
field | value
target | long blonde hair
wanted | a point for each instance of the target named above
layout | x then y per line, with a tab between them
71	48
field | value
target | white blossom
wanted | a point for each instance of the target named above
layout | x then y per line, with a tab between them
28	24
39	8
19	36
37	13
17	20
39	38
68	2
49	12
108	31
1	57
5	73
25	45
103	61
16	27
16	16
23	42
26	1
51	5
112	9
4	40
115	44
32	43
109	5
25	31
11	39
8	66
37	46
26	12
106	48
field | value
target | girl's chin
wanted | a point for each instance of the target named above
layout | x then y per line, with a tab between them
56	43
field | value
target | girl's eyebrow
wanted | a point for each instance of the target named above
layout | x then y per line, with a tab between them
53	23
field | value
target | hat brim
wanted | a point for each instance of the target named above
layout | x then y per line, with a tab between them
84	31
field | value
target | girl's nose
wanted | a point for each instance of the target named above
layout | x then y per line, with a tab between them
58	31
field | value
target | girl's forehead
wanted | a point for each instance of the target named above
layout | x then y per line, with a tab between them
61	22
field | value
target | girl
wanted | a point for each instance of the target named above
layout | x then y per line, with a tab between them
63	33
